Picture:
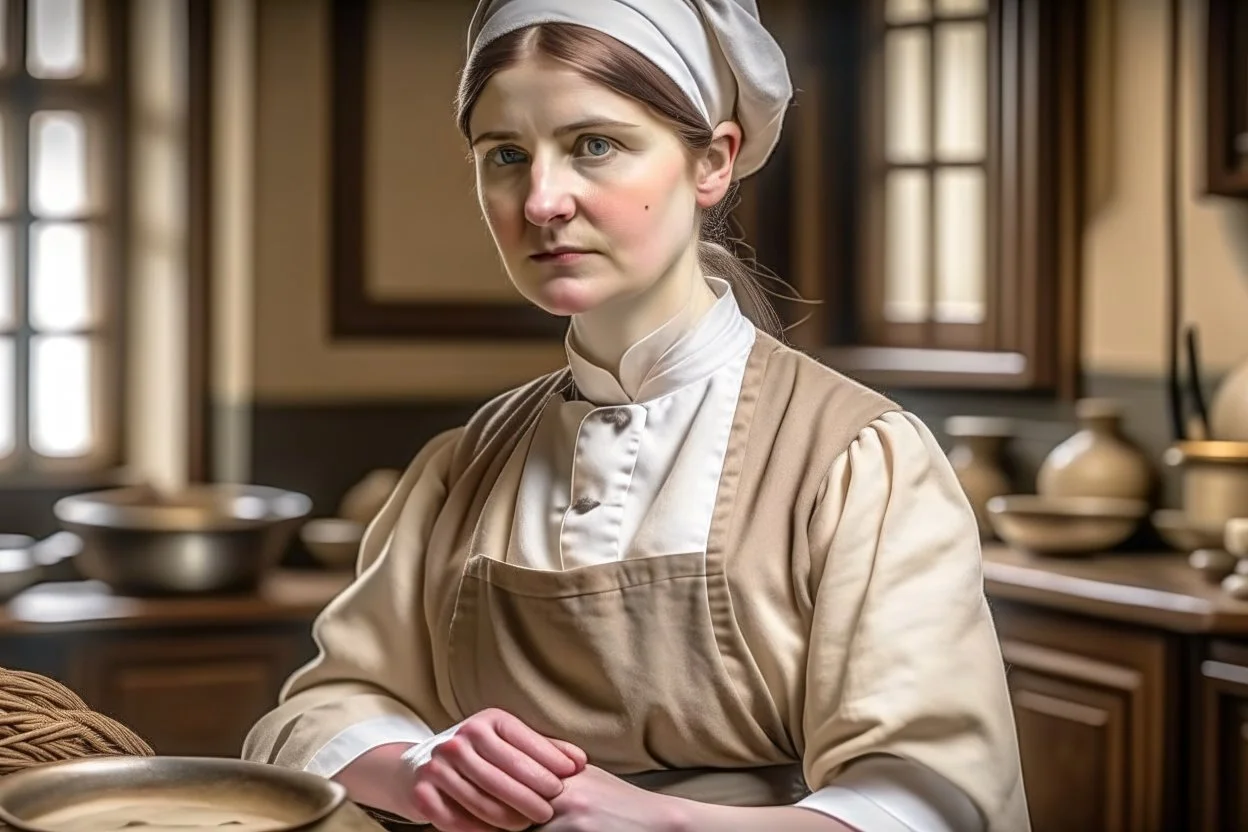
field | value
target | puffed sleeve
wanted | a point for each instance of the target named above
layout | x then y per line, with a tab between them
907	717
360	692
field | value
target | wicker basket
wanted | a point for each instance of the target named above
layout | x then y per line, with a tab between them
42	721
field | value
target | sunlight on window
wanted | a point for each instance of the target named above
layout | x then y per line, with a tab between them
961	91
907	137
906	246
8	287
8	381
60	412
60	296
906	11
6	203
960	233
56	39
961	6
59	163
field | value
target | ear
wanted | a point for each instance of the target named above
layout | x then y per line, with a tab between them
713	174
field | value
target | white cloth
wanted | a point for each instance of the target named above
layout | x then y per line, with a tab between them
717	51
656	483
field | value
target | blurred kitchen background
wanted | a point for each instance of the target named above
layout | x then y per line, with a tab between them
239	245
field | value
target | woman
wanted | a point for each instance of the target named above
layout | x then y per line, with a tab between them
695	580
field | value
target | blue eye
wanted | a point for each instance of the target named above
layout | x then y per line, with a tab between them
507	155
597	146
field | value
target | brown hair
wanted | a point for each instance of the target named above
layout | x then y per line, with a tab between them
605	60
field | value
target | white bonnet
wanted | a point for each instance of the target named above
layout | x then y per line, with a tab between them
717	52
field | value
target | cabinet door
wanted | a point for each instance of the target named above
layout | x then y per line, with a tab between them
1089	700
187	694
1222	751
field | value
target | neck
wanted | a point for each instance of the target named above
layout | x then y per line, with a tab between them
604	334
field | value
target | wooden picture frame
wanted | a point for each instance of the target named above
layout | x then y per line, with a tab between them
1225	39
355	314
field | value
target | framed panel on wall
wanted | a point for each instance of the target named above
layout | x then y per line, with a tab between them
411	257
1226	97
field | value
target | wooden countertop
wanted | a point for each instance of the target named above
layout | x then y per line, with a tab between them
1152	589
285	595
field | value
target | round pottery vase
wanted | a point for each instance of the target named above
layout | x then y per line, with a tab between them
976	457
1098	460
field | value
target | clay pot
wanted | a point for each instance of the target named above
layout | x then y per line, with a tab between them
1098	460
1214	480
364	500
977	459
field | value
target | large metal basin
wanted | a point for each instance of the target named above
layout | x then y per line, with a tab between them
107	793
200	539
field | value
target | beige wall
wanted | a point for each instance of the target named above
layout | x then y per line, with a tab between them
1125	240
427	178
294	358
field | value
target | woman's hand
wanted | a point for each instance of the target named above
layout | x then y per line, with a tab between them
595	801
494	773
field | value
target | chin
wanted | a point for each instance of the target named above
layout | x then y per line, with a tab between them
565	295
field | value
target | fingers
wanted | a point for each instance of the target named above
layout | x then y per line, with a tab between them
494	782
575	753
537	747
443	814
468	782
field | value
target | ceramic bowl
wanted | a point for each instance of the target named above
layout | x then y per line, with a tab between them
1064	525
333	541
1185	534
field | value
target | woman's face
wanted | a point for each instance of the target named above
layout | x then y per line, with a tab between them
590	198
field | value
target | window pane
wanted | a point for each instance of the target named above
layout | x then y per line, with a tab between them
59	162
8	381
906	95
906	246
60	297
8	288
6	203
906	11
961	6
61	394
961	239
56	39
961	91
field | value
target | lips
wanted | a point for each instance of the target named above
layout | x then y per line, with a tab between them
562	254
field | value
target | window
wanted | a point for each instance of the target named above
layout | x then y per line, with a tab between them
61	235
927	190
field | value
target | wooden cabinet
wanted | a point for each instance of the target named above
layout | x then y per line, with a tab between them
1129	681
1090	706
1223	738
189	675
189	692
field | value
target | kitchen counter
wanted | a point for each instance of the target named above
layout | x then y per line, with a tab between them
1152	589
283	596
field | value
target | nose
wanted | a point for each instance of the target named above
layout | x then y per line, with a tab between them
550	196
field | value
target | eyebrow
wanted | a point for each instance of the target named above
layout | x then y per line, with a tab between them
574	127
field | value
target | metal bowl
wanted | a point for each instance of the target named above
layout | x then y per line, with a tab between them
101	793
200	539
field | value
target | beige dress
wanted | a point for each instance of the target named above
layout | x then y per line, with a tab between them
834	618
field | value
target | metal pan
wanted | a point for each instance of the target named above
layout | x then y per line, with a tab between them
96	793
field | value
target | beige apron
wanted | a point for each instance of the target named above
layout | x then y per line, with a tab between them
627	659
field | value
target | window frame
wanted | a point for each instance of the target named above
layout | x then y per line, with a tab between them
104	102
1035	176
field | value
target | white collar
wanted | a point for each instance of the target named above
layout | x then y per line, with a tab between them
678	353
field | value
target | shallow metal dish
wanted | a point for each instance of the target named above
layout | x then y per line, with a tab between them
292	800
202	538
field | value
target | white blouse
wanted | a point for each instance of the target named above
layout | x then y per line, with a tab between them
652	479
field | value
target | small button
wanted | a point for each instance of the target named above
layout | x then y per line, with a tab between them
585	504
619	416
